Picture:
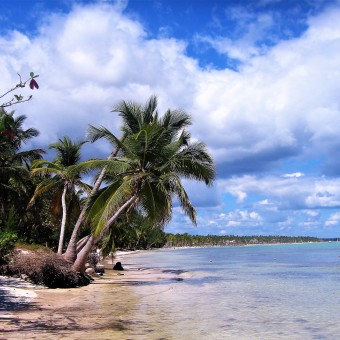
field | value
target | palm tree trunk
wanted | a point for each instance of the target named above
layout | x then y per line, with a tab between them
81	243
113	218
63	220
71	251
79	264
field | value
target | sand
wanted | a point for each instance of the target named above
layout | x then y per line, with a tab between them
105	309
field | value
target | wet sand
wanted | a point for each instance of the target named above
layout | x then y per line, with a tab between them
105	309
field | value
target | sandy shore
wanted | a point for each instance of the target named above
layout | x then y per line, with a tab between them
106	309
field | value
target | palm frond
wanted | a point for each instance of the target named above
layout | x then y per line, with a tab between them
112	166
95	133
68	152
183	198
150	110
45	186
193	162
130	112
107	203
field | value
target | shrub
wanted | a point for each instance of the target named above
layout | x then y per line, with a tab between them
7	242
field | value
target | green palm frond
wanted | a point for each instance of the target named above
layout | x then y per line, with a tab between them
85	188
183	198
193	162
155	202
108	202
156	153
68	152
175	120
29	156
113	166
43	167
130	112
46	186
95	133
150	110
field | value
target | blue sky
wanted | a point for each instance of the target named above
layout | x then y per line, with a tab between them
260	79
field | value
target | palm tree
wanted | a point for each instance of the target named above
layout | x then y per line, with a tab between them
14	164
64	180
134	116
146	174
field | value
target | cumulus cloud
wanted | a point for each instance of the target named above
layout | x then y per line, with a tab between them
286	193
282	103
333	220
86	65
279	105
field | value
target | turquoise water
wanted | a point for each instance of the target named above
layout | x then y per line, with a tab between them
251	292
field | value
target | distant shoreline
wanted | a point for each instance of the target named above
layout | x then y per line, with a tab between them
186	240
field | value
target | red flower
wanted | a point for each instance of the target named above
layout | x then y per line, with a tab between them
33	84
9	133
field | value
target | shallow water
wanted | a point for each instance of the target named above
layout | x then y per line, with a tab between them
251	292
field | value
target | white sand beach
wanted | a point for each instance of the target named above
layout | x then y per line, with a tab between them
34	312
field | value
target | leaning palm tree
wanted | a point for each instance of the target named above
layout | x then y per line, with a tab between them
60	178
146	174
134	117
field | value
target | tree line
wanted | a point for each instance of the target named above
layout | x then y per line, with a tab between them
186	240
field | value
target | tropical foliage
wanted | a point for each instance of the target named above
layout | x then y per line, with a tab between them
132	197
153	155
60	179
15	185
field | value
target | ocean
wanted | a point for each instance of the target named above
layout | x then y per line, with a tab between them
289	291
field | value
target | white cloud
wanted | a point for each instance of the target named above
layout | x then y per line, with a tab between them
293	175
273	109
333	220
239	218
245	45
310	192
282	103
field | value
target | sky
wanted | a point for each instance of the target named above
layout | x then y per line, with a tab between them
261	80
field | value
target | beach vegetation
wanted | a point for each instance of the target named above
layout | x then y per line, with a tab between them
60	178
16	187
7	243
146	172
131	200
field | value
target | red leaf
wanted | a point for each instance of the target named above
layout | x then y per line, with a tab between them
33	84
8	132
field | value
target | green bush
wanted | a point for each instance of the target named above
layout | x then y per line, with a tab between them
7	242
